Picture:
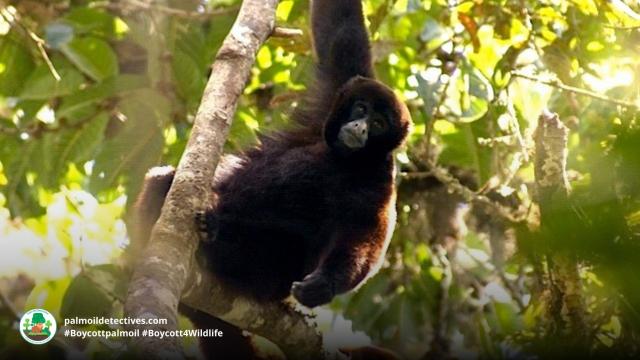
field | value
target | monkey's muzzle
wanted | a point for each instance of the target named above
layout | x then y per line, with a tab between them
354	134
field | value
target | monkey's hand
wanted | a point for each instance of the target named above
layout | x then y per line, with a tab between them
316	289
207	224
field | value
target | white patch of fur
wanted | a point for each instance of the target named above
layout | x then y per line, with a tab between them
392	215
227	166
159	171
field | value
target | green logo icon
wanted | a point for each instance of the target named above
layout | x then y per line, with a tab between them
37	326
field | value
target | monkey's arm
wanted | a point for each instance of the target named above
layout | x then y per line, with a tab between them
357	253
341	41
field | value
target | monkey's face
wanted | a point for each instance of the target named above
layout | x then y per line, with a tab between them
366	118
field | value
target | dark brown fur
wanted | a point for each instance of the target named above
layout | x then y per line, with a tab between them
297	213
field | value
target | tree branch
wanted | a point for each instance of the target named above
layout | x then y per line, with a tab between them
469	195
286	33
14	19
278	322
559	85
167	264
565	307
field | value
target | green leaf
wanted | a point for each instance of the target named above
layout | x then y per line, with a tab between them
479	85
487	344
243	131
43	158
21	197
92	56
137	146
82	143
217	32
93	292
190	77
75	105
73	145
474	102
15	65
461	149
507	317
87	20
30	109
473	110
42	85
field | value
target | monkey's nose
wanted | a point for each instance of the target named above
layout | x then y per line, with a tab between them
362	129
354	134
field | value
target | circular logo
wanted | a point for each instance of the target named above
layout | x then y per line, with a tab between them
37	326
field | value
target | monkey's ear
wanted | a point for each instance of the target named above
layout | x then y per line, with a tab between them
352	82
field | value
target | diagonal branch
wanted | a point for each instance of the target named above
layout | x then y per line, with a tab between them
14	19
556	83
167	266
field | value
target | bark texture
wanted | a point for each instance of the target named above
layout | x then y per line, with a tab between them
565	308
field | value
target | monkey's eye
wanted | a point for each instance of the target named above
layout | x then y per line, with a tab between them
378	124
359	110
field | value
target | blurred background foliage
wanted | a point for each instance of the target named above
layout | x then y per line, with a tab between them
93	93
